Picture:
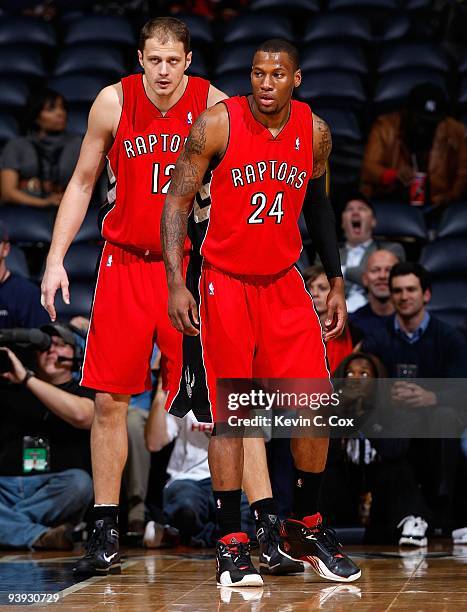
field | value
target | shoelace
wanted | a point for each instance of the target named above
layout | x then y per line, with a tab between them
98	538
328	537
240	555
272	534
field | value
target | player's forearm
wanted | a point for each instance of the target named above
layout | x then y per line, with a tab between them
70	216
156	432
75	410
174	224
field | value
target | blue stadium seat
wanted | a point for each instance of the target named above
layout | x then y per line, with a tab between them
463	66
343	124
8	127
198	66
256	28
337	5
332	89
392	90
200	29
81	295
80	261
399	220
416	5
236	58
77	122
446	257
16	261
462	99
100	29
395	29
234	83
28	225
89	230
410	55
446	292
334	56
21	62
285	6
454	221
13	93
336	26
90	60
456	317
26	31
79	89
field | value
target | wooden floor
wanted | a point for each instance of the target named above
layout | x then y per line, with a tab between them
183	580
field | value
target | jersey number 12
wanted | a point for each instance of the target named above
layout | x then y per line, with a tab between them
156	179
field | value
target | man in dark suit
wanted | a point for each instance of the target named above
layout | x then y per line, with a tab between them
358	223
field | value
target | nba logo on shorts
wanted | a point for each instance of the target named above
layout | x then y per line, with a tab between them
211	289
297	144
189	118
109	261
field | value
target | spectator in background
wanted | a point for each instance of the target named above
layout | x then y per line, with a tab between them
319	287
419	154
358	223
45	414
375	279
20	304
35	168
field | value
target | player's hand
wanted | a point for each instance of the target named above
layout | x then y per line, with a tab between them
183	311
412	394
55	278
336	312
405	175
17	371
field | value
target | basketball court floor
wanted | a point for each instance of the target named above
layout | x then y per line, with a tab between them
183	580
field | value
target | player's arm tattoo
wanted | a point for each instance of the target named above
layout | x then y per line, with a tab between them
185	182
322	145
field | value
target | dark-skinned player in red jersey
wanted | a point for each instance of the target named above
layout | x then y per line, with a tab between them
255	317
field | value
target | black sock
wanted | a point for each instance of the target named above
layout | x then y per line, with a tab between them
261	507
105	511
228	511
307	491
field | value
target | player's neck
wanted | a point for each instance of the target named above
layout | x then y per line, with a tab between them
165	103
274	122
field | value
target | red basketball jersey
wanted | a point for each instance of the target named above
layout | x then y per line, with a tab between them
257	193
142	158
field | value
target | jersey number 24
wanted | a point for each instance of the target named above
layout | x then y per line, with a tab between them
259	200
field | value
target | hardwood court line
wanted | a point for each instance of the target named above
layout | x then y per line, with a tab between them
422	558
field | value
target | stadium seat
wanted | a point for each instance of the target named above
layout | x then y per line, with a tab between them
407	56
90	60
399	220
343	124
392	90
462	99
79	89
89	230
416	5
100	29
81	295
198	66
334	56
13	93
446	292
454	221
332	89
26	31
236	58
16	261
395	29
256	28
446	257
336	26
285	6
200	29
21	62
463	66
77	121
8	127
456	317
234	83
80	261
28	225
337	5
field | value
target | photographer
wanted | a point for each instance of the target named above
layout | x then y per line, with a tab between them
45	416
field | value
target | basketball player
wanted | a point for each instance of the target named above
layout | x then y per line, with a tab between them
254	315
140	125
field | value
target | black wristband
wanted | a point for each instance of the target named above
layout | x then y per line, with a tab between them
29	374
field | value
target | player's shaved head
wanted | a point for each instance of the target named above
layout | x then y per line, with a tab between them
278	45
165	29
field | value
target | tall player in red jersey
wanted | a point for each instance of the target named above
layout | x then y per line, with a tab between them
255	316
140	126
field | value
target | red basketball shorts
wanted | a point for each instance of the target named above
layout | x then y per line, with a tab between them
251	327
129	315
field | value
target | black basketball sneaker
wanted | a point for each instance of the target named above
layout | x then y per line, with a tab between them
234	566
311	542
271	560
102	556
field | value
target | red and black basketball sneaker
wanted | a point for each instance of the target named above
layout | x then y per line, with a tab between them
311	542
234	566
271	561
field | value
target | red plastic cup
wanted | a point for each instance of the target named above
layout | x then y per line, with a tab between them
417	189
